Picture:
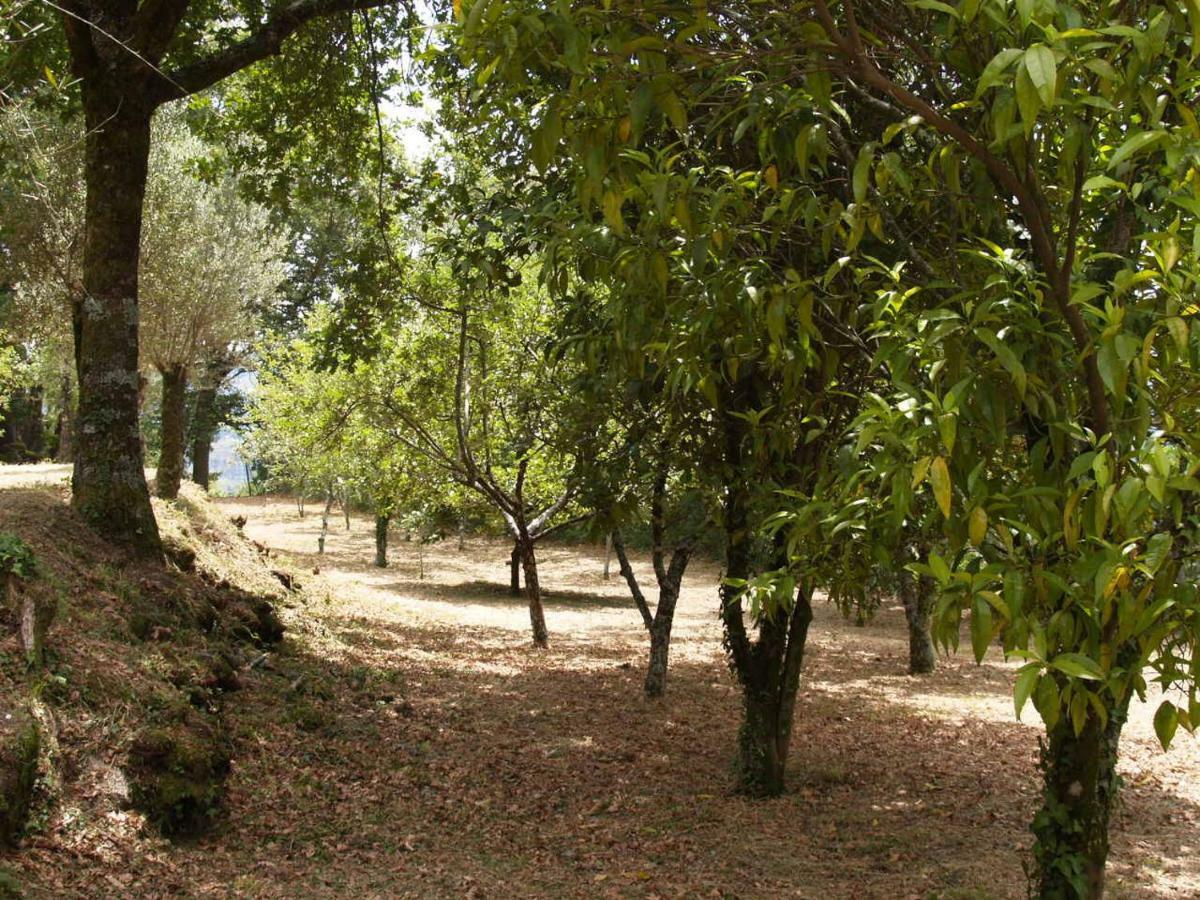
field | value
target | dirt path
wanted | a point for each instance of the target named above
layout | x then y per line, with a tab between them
408	742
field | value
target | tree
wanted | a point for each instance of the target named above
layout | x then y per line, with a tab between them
716	257
128	61
1064	468
209	263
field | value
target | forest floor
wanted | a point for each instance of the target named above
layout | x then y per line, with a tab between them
431	751
406	740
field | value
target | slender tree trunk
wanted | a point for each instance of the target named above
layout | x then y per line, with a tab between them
462	534
514	570
917	596
608	549
204	426
660	642
325	523
109	484
174	428
66	422
1080	786
381	541
346	508
533	591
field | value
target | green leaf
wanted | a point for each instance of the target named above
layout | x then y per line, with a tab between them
1166	721
1026	680
1029	101
993	72
977	525
611	204
1139	143
981	627
1047	701
948	428
939	479
1043	72
1078	666
938	566
862	173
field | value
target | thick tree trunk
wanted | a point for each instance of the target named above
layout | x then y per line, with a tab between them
533	591
514	571
174	429
204	425
1080	786
381	541
109	485
917	596
769	686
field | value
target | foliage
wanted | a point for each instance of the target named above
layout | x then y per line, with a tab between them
15	556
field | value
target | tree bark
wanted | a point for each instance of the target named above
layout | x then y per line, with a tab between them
514	570
1079	787
533	591
381	540
109	484
66	422
769	685
608	549
204	426
174	428
917	596
325	523
660	644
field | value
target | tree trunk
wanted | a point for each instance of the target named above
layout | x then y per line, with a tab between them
204	427
608	549
533	591
346	508
109	484
917	596
660	647
1080	785
514	571
325	523
66	422
381	541
769	686
174	429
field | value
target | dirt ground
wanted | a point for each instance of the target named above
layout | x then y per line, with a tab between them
407	741
428	750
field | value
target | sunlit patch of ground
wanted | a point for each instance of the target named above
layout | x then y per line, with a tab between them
455	760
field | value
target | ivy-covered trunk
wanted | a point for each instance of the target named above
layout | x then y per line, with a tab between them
533	591
381	540
174	414
770	677
1079	788
204	424
917	596
109	484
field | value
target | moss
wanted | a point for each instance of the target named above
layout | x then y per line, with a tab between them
177	775
20	743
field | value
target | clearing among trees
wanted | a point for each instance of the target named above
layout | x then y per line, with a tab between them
405	740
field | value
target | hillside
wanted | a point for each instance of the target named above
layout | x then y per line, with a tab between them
122	736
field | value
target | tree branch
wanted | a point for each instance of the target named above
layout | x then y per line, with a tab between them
265	41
